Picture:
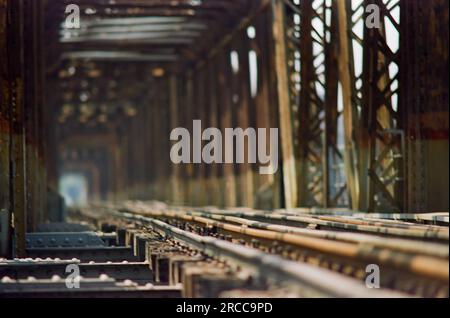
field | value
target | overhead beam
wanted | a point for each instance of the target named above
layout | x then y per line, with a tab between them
131	36
230	7
131	21
120	56
287	146
127	41
140	27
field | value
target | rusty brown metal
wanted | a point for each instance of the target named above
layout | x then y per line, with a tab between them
347	253
285	116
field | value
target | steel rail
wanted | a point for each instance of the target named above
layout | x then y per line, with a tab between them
403	245
341	212
429	217
431	233
386	220
418	264
385	223
439	233
311	280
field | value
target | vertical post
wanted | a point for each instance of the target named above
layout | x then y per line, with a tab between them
213	121
183	111
242	114
17	173
31	59
287	147
274	114
175	175
190	104
5	136
226	122
331	150
265	184
350	113
366	145
307	109
42	110
411	106
424	101
200	105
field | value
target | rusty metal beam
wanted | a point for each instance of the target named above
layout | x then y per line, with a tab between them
15	36
5	134
286	134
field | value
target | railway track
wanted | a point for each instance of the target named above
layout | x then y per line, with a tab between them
138	249
308	254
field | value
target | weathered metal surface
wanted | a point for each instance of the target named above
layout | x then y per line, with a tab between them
261	266
42	269
347	152
363	119
62	227
318	239
285	116
85	254
63	239
102	286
